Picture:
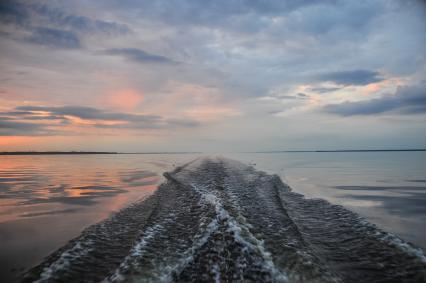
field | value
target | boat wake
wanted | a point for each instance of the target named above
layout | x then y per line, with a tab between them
218	220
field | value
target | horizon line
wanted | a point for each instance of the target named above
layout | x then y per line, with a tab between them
56	152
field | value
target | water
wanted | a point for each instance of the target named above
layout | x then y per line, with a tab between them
48	200
387	188
216	219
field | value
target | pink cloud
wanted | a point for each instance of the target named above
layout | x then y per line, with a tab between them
126	99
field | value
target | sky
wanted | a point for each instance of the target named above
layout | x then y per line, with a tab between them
212	76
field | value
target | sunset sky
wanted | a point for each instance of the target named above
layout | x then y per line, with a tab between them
229	75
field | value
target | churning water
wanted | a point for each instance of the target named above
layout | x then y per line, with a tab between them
219	220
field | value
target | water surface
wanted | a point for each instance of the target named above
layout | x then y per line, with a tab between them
387	188
219	220
47	200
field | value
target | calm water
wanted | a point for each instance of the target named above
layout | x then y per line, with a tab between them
47	200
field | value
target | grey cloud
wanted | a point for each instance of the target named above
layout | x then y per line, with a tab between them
13	113
28	15
140	56
324	89
407	100
90	113
291	97
10	127
234	14
353	77
29	115
8	124
183	123
302	95
347	18
335	17
54	38
241	48
13	12
78	23
299	95
131	121
49	117
287	97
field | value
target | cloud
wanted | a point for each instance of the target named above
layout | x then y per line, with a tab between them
324	89
54	38
241	16
354	77
43	120
237	50
9	127
89	113
13	12
22	120
406	100
299	95
140	56
29	115
77	22
30	15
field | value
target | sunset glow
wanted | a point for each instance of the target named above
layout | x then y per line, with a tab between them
77	73
212	141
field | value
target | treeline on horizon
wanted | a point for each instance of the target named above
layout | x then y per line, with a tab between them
176	152
54	152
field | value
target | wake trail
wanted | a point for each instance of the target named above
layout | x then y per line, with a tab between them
218	220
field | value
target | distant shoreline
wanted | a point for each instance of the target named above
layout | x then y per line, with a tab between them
342	150
55	152
84	152
276	151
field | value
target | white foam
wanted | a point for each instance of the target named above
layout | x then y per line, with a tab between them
65	260
164	273
138	250
239	227
395	241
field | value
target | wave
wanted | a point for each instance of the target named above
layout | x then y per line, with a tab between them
218	220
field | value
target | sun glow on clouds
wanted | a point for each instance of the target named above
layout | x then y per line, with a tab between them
8	141
386	86
126	99
103	71
35	143
211	113
196	102
79	121
304	98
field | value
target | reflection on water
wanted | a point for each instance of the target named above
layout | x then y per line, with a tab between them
400	201
47	200
387	188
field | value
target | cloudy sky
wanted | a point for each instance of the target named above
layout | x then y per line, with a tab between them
228	75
